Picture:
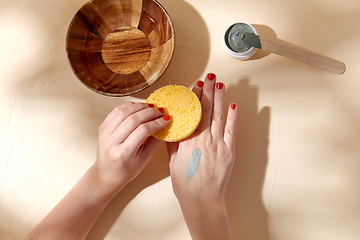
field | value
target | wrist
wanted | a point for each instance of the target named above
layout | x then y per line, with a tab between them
201	203
95	189
208	220
204	208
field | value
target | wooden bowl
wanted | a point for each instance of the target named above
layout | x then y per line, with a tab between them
118	48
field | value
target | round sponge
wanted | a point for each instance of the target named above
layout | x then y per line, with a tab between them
184	108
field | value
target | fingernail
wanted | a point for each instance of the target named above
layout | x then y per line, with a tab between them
233	106
200	84
166	117
151	105
161	109
211	76
219	85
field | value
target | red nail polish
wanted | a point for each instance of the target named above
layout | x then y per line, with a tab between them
151	105
166	117
200	84
161	109
233	106
219	85
211	76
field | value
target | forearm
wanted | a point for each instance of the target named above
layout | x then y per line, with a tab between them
209	221
125	147
74	216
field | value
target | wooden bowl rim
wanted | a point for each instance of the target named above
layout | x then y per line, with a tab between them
172	50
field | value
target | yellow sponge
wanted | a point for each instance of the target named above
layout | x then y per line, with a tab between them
184	108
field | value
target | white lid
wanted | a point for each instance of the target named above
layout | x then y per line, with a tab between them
239	55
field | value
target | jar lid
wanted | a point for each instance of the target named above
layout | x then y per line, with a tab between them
233	44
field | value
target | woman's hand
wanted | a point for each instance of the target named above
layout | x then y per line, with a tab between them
201	165
125	142
125	146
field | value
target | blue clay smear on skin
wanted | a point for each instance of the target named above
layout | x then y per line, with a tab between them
193	163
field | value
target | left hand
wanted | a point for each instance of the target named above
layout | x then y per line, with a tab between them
217	147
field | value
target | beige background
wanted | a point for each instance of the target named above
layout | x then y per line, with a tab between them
297	169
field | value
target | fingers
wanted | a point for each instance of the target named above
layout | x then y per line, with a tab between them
128	117
207	101
110	116
131	122
212	101
149	148
197	88
230	127
119	114
144	130
218	111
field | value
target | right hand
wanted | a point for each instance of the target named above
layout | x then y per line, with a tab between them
125	142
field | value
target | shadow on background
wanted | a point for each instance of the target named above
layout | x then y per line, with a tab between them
263	31
158	165
51	94
269	33
247	214
52	82
192	47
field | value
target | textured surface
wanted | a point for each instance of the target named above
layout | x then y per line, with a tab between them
184	108
297	168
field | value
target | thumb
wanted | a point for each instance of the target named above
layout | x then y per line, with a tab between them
147	149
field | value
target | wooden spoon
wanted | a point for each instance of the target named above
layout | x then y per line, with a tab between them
294	52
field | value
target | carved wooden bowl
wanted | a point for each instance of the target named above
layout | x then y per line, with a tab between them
120	47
